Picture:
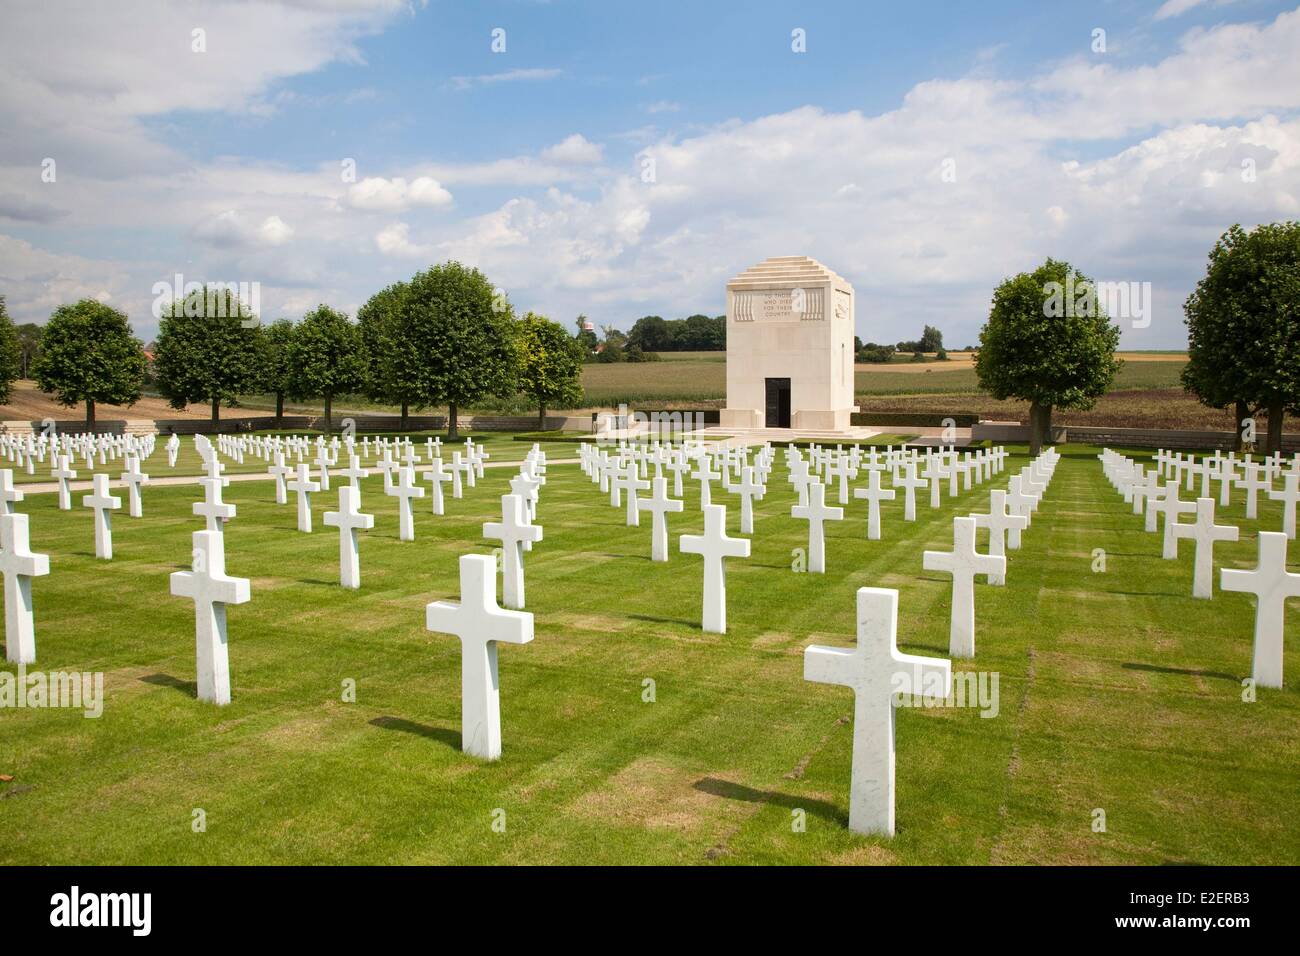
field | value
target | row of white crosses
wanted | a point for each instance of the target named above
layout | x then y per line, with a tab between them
965	562
1141	485
901	463
1270	581
620	471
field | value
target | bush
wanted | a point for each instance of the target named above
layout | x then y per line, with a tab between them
634	354
610	353
871	352
918	356
942	355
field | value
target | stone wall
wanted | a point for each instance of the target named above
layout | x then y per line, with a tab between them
1120	437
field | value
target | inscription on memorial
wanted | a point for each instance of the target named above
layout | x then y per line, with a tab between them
778	305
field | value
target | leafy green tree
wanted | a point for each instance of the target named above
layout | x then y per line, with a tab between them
206	350
551	366
88	354
931	339
650	333
392	366
11	354
275	361
464	336
1243	327
325	358
1050	357
29	342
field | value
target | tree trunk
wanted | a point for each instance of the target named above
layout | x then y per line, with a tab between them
541	415
279	409
406	411
1241	413
90	415
329	401
1275	416
1035	428
452	434
216	409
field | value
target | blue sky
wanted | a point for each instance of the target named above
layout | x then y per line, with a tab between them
922	150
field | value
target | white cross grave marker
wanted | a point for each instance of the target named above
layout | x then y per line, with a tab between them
64	474
1205	532
19	566
963	562
349	519
816	512
658	504
874	495
512	531
481	625
877	671
1272	584
715	547
404	489
104	505
304	486
211	589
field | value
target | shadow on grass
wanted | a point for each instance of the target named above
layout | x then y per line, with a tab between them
449	737
187	687
736	791
1179	670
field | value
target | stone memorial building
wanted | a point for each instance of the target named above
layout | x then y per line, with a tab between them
789	347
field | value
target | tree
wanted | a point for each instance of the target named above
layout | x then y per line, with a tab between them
1243	327
1046	350
325	358
391	365
551	364
650	333
207	350
931	339
275	368
88	354
11	354
464	336
29	342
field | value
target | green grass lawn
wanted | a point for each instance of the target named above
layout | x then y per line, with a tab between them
1117	691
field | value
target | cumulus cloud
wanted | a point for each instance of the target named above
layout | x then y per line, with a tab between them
396	194
576	149
394	240
231	229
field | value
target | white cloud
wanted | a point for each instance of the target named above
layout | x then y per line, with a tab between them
396	194
231	229
663	106
394	240
530	75
576	150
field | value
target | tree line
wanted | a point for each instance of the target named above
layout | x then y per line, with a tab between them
446	337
